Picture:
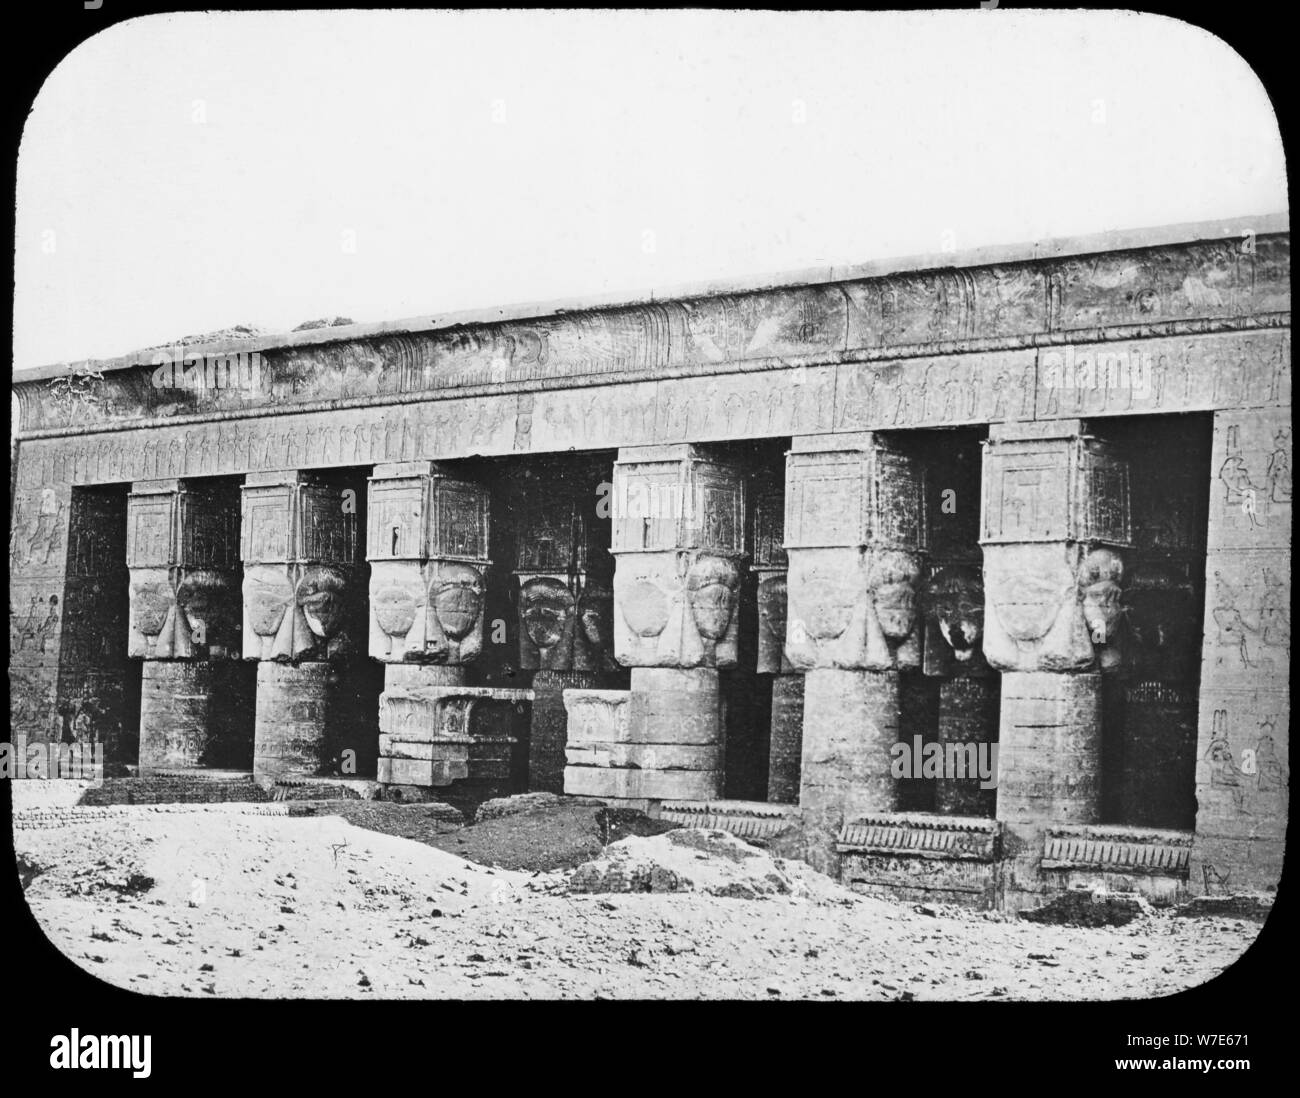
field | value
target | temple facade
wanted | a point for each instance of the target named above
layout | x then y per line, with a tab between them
967	577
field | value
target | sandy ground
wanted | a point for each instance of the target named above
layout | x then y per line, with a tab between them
264	906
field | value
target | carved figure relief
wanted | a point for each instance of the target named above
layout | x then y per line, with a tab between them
594	642
32	631
678	609
773	601
37	534
954	623
853	609
1100	579
426	613
548	620
1033	619
298	611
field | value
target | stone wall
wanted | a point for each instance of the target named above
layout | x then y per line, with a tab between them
1242	768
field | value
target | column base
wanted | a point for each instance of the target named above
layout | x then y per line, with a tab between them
670	747
434	730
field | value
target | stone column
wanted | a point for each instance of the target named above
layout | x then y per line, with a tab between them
427	543
1244	727
855	538
968	690
183	557
678	540
302	595
566	608
1054	525
786	726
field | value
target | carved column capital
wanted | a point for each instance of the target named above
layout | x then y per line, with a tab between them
299	547
1055	521
566	598
855	536
427	543
678	537
183	558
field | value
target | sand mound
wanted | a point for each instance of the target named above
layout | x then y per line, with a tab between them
696	860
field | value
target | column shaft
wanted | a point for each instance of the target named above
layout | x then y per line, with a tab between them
787	739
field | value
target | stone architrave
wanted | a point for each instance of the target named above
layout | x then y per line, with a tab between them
855	536
770	566
1055	523
678	540
301	616
184	623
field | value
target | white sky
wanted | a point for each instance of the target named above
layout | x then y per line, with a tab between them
184	173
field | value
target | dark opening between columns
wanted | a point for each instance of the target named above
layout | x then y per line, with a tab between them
952	699
548	600
1150	701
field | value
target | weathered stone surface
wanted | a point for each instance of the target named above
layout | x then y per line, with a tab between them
1049	764
68	605
1243	769
660	740
294	709
434	734
786	751
596	716
1252	906
549	728
646	756
658	785
906	320
917	856
855	532
672	706
183	554
1084	907
1123	858
196	713
300	551
1056	519
679	526
850	722
968	718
